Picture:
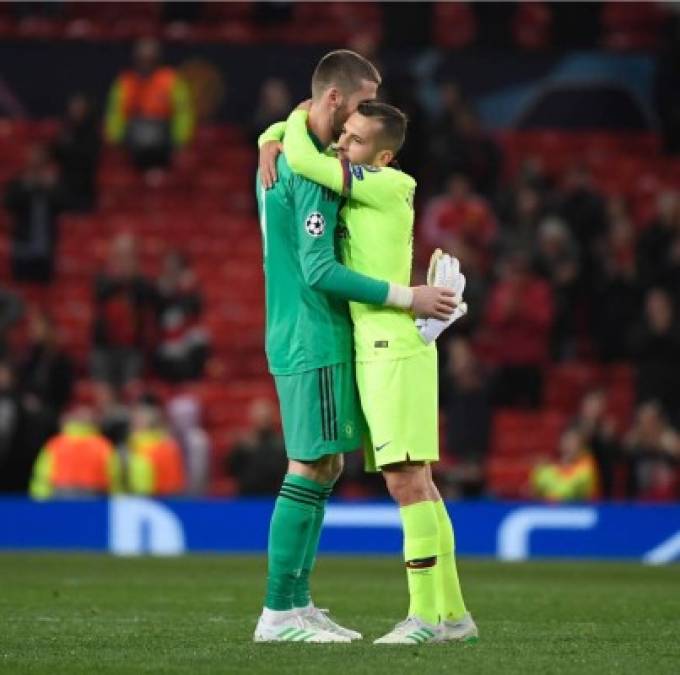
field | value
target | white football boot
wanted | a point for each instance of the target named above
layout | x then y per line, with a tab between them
293	628
463	630
411	631
320	619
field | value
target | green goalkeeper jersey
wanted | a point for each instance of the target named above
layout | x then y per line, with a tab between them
306	287
377	239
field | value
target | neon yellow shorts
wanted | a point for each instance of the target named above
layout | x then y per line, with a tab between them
400	402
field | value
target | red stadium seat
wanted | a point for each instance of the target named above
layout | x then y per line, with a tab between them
526	434
455	25
532	25
508	479
632	25
566	384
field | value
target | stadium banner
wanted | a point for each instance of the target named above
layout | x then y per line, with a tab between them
508	531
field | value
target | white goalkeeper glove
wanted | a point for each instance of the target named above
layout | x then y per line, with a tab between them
444	271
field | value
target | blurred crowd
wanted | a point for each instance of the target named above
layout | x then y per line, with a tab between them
142	328
123	439
557	272
593	458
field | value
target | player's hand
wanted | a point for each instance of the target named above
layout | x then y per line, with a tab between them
267	163
305	105
433	302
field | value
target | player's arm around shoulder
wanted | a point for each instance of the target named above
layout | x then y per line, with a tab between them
281	188
270	146
273	133
307	160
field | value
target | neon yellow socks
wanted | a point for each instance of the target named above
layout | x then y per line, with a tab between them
291	527
451	605
421	544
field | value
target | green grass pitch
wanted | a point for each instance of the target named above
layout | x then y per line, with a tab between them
89	614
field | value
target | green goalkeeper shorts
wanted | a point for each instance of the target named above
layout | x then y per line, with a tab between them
320	412
400	402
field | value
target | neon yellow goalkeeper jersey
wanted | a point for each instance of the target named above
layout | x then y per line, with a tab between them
377	239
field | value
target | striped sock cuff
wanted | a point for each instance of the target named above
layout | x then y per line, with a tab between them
285	493
303	490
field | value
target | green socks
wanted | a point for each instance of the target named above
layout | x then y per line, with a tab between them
292	525
421	545
301	593
451	605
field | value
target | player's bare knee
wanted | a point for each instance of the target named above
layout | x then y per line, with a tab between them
337	464
407	484
315	471
327	469
408	494
433	490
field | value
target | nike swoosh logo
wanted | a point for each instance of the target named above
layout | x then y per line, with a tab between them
380	447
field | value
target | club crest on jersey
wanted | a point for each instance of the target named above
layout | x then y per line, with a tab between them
315	224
